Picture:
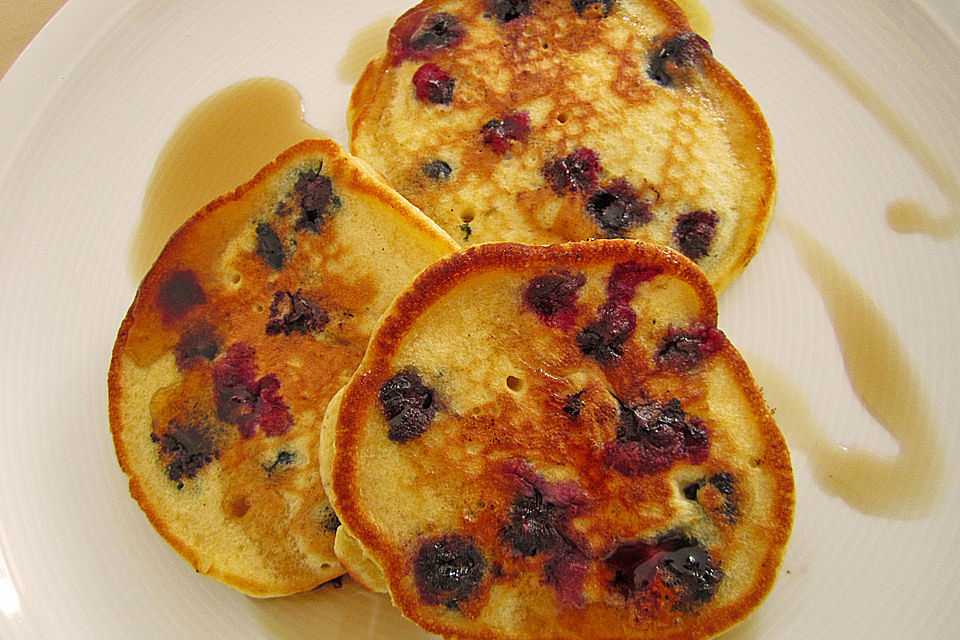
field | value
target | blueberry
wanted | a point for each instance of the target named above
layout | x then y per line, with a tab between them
677	560
617	208
243	399
593	8
532	524
500	133
678	52
270	247
603	339
508	10
315	194
432	84
448	569
179	292
695	231
292	312
573	404
436	170
185	448
198	341
682	350
653	436
408	406
437	31
553	297
576	172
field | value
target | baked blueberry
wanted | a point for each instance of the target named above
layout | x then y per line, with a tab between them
681	51
408	406
293	312
178	294
448	569
695	231
553	297
270	247
576	172
500	133
433	85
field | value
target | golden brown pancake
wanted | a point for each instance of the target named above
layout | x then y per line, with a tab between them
558	442
543	121
257	311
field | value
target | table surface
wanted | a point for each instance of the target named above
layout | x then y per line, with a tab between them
20	21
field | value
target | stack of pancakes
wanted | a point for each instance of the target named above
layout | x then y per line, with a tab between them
544	435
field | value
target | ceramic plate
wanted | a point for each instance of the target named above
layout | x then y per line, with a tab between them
849	322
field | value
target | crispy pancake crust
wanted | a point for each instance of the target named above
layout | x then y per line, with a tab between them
696	144
254	315
535	486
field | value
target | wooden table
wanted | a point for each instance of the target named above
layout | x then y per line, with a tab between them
20	20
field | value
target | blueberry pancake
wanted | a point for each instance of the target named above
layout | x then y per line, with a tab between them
557	442
257	311
543	121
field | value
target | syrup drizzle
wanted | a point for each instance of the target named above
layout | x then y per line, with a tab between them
905	215
220	144
907	485
367	43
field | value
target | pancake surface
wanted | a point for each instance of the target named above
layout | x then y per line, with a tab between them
257	311
543	121
557	442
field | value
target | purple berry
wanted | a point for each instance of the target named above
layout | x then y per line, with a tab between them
695	231
576	172
573	404
270	247
246	401
603	339
433	84
315	194
292	312
437	31
178	294
652	437
437	170
682	350
198	341
553	297
681	51
676	560
617	208
408	406
593	8
500	133
508	10
185	448
418	34
448	569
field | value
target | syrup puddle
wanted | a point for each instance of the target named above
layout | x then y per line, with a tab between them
700	19
220	144
906	215
367	43
903	486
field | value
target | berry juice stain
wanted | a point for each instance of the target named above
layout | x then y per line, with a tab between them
220	144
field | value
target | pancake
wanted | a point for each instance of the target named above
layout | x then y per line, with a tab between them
557	442
256	312
543	121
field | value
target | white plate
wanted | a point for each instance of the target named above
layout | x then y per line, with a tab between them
87	108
